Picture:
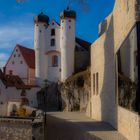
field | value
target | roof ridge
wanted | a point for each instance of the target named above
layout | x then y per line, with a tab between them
77	38
18	45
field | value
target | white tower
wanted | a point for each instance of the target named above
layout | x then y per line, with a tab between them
67	43
41	23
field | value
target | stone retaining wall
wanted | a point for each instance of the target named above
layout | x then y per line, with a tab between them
128	124
75	92
20	129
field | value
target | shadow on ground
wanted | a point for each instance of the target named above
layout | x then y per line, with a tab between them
74	127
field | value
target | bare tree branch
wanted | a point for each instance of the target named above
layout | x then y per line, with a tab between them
83	4
20	1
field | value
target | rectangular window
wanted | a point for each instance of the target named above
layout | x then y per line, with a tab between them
93	83
136	58
52	32
52	42
54	61
97	82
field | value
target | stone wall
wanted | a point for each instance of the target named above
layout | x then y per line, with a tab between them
128	124
103	98
20	129
124	20
103	53
75	92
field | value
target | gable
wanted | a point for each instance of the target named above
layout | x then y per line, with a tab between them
23	55
54	24
15	59
29	56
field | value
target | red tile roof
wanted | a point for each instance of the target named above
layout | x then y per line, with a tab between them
13	81
28	55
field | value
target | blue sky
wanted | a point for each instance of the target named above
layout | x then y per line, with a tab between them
17	27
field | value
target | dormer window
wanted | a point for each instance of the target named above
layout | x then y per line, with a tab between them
52	32
52	42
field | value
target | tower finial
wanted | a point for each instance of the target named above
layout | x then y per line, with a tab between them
68	7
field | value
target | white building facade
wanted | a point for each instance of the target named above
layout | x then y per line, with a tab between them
11	91
22	63
54	46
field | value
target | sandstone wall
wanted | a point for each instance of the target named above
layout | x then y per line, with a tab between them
123	21
128	124
103	102
113	32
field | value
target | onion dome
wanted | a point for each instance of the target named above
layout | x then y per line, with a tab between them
68	14
41	18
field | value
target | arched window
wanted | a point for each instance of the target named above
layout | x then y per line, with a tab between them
54	61
52	42
52	32
14	108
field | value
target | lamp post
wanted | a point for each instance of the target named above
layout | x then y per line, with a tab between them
44	109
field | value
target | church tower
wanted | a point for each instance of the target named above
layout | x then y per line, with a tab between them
41	23
67	43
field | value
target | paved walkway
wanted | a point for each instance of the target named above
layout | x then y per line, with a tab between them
76	126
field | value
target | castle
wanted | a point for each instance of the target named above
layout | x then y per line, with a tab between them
115	68
57	53
55	46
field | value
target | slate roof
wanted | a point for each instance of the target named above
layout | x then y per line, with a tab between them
68	13
41	18
83	43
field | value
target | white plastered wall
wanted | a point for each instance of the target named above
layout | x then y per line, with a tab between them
11	93
18	69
